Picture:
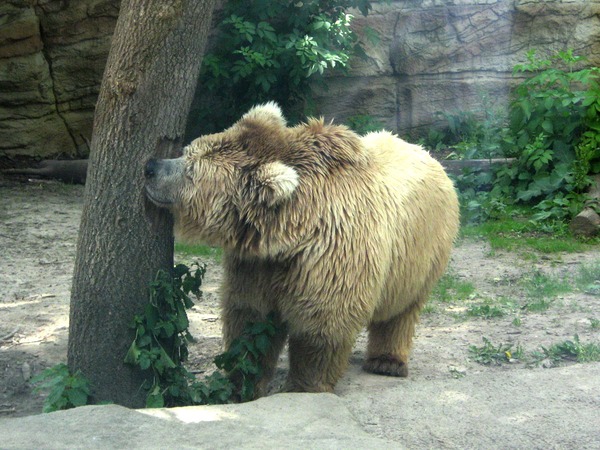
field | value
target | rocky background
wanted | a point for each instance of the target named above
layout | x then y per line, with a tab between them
431	55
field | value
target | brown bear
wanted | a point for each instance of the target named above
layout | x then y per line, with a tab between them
331	231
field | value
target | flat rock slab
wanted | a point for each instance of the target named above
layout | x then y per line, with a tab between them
283	421
527	408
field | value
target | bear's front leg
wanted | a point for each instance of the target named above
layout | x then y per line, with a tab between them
235	320
316	363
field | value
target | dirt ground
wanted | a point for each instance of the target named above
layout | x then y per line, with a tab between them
39	222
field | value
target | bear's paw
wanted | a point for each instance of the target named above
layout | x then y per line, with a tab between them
386	365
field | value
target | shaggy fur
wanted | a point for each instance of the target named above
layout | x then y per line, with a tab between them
332	231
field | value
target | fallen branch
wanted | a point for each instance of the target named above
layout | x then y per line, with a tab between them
9	335
69	171
456	166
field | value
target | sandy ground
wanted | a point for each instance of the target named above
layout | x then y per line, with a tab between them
39	222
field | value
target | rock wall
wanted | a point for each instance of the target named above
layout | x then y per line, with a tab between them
432	55
453	55
52	56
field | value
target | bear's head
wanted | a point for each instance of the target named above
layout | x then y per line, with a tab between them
227	187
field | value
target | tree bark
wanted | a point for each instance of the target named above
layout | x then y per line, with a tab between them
144	100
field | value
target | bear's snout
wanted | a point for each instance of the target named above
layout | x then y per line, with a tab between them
150	169
163	179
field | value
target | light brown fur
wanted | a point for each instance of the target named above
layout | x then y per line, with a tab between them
332	231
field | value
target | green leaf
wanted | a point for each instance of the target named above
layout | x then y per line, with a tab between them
247	392
77	397
262	343
133	354
155	399
56	395
182	319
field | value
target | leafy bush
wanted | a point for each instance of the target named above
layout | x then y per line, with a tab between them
555	124
553	132
268	50
65	391
160	345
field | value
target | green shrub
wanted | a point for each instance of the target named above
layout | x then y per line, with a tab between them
65	391
553	131
555	125
268	50
160	346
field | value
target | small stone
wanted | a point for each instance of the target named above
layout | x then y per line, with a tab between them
26	371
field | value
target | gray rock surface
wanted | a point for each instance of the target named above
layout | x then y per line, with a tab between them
453	55
534	409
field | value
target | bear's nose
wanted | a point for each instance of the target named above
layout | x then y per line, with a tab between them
150	169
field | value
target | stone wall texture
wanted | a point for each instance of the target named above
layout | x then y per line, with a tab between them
52	56
444	55
431	56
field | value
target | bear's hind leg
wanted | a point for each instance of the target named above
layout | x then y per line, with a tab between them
316	364
234	322
390	342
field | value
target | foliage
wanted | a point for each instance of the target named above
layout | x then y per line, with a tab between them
556	127
489	353
160	346
485	311
539	285
242	359
478	133
65	391
569	350
450	287
553	131
364	123
161	335
269	50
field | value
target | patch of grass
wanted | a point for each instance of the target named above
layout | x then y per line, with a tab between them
490	354
570	350
538	305
451	288
515	232
428	309
588	278
485	311
551	244
594	323
539	285
588	273
198	250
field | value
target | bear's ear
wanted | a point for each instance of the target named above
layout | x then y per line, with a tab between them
276	182
269	112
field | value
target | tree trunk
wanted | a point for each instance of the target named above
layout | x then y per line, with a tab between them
141	112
